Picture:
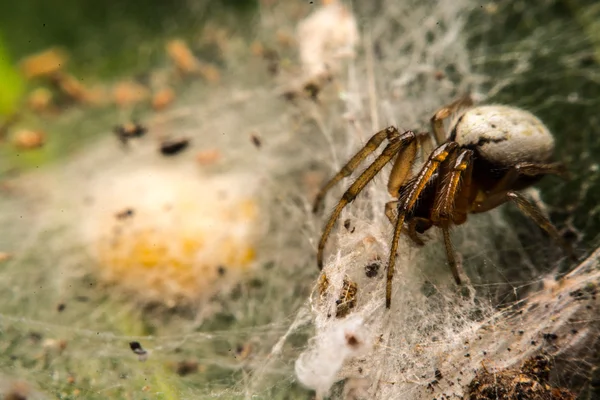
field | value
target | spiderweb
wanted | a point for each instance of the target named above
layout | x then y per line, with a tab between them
275	328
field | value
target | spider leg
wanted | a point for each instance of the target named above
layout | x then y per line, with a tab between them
444	207
450	253
532	211
465	195
511	177
437	121
533	169
404	162
395	145
454	176
426	143
408	201
411	231
390	211
391	133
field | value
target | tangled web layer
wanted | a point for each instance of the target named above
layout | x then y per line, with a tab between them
435	337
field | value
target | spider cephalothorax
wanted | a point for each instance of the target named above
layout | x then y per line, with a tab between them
492	152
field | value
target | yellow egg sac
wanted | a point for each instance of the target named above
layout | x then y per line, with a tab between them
173	238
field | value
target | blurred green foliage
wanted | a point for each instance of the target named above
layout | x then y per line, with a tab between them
110	37
11	83
587	14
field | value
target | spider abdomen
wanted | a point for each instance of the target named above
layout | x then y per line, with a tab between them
504	135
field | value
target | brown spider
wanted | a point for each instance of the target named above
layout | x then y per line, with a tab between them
492	152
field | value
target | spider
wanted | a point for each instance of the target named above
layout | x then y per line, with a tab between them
492	152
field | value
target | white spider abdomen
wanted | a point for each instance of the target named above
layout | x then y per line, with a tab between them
504	135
